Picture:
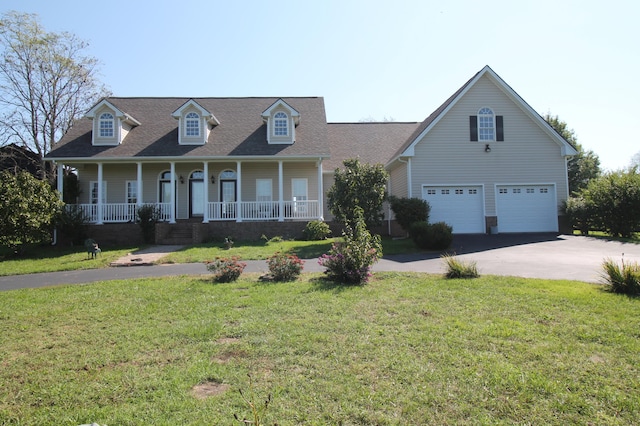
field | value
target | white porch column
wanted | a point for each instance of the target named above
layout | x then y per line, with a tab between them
100	192
320	192
280	192
172	214
139	186
409	183
205	170
60	180
239	192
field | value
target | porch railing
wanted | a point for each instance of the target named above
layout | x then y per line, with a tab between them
217	211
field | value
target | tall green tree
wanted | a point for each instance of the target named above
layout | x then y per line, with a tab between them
358	185
28	208
581	168
46	82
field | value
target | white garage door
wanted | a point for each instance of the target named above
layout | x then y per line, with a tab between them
461	207
527	208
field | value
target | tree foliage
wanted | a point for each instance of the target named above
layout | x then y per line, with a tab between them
613	203
46	82
581	168
358	185
28	208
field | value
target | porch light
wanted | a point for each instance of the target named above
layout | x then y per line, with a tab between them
181	179
213	179
487	148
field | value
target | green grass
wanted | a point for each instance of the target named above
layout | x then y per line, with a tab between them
261	250
53	259
604	236
405	349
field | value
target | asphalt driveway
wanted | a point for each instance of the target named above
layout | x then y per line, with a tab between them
549	256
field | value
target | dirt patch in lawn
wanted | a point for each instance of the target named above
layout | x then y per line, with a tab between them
209	389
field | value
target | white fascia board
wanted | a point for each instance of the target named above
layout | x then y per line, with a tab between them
191	103
118	113
294	113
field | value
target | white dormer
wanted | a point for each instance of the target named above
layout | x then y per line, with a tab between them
110	124
195	123
281	120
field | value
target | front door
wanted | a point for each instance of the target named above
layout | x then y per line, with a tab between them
228	198
196	194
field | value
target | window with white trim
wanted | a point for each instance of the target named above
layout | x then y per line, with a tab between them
504	191
516	190
444	191
264	190
431	192
106	125
192	125
544	190
280	124
132	191
94	191
486	125
473	191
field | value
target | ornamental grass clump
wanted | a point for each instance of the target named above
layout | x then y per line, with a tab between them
284	267
350	262
457	268
623	278
226	269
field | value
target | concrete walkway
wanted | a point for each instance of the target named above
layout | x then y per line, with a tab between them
526	255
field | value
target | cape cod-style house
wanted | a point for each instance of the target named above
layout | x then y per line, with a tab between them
484	160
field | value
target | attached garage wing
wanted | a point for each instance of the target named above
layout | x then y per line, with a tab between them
527	208
460	206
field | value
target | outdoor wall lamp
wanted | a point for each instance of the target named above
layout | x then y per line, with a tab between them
213	179
487	148
181	179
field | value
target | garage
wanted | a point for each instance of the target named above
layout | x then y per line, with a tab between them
526	208
462	207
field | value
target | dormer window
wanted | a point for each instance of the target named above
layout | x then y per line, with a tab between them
192	124
106	125
281	124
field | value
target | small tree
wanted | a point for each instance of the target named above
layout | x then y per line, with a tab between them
28	208
147	218
409	210
358	185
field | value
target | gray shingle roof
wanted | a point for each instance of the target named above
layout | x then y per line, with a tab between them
241	131
370	142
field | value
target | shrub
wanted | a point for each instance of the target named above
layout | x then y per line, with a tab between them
623	278
316	230
284	267
148	216
226	270
350	262
436	236
409	210
580	213
459	269
73	222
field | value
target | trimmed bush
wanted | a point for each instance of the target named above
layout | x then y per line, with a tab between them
431	236
459	269
580	213
285	267
226	269
316	230
409	210
73	223
624	278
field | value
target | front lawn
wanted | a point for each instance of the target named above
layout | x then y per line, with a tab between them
53	259
404	349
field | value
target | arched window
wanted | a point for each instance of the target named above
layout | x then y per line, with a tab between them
192	124
486	125
281	124
106	125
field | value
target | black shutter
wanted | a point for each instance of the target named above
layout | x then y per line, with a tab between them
499	129
473	127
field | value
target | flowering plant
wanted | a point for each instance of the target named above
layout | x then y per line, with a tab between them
285	267
350	262
226	270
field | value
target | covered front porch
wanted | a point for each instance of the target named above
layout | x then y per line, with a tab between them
207	191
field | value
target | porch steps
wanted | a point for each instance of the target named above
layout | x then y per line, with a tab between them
178	234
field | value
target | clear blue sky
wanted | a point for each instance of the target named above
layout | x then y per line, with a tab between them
578	59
